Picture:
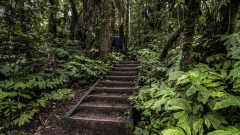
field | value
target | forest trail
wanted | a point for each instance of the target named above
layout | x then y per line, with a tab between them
105	109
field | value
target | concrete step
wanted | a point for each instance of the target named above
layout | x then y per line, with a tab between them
126	69
127	65
122	73
108	83
109	100
114	90
111	94
129	62
91	126
101	112
120	78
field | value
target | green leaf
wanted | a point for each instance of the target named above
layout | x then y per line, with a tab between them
197	108
214	119
221	132
178	104
203	67
236	64
185	126
236	84
234	73
183	79
42	102
198	125
213	84
20	85
230	130
191	90
227	64
224	73
24	117
20	105
226	102
25	96
173	131
183	119
3	94
175	75
194	73
159	103
41	84
204	93
214	76
219	94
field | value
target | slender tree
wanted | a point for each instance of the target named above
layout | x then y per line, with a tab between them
74	19
192	13
52	25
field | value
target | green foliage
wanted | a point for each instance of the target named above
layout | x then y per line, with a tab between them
84	69
22	96
203	100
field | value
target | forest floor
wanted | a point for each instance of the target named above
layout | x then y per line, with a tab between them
47	121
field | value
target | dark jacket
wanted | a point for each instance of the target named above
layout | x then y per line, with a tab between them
116	42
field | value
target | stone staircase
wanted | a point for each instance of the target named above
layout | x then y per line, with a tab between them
105	109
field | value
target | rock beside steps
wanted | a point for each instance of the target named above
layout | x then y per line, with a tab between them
105	109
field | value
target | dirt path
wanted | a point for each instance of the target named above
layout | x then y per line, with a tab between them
47	121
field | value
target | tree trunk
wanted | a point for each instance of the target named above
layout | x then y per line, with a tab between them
229	14
228	24
74	19
127	44
22	17
105	31
52	26
170	42
121	19
192	14
65	12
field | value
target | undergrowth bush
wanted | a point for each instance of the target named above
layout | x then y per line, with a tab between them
25	88
203	100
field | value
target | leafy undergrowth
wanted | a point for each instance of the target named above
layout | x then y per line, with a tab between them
26	90
48	120
202	100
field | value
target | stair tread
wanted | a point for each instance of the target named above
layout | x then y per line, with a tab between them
94	119
117	81
127	65
104	106
126	68
115	88
133	76
125	71
109	96
99	113
90	116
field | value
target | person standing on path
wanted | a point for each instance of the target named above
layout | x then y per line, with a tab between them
116	44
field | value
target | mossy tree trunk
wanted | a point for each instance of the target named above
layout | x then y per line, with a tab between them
52	26
106	29
121	14
127	43
229	14
193	7
74	19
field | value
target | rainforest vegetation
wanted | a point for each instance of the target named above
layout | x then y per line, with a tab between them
189	51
